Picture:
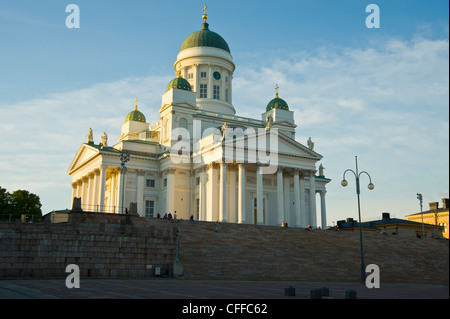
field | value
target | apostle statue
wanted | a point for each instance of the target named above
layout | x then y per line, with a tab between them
321	168
310	144
90	136
224	130
104	140
269	121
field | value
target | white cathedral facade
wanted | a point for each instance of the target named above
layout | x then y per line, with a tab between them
201	159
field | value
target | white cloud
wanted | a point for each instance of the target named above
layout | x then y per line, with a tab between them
388	105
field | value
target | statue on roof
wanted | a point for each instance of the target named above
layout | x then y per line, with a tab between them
269	121
224	130
90	136
104	139
310	144
321	168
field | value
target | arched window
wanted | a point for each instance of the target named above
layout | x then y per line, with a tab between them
183	123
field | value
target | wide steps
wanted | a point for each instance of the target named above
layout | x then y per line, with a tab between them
257	252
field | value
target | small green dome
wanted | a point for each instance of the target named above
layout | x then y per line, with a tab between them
179	83
277	103
205	38
135	116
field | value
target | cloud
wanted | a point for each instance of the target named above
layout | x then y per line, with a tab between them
388	105
41	136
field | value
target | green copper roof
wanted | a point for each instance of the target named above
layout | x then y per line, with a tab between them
277	103
205	38
179	83
135	116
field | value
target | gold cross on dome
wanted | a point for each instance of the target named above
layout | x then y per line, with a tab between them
276	90
135	107
205	16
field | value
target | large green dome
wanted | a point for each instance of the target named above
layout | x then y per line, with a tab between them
277	103
179	83
205	38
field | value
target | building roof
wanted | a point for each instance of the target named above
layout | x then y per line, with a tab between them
205	38
376	224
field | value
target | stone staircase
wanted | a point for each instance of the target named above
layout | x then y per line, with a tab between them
250	252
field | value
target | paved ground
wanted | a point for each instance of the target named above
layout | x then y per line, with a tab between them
197	289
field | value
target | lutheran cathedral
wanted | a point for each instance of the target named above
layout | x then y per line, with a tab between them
200	159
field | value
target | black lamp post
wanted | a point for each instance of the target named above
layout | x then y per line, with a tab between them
371	187
420	198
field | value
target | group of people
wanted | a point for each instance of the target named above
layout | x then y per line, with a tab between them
171	217
168	216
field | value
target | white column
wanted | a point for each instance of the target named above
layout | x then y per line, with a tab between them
223	193
312	199
78	190
74	191
241	194
170	191
304	219
95	199
323	210
140	192
120	189
114	189
222	85
197	80
89	193
297	197
210	81
84	193
259	196
213	180
287	199
280	199
231	207
201	192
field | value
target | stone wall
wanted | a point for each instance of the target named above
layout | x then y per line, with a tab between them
102	245
109	245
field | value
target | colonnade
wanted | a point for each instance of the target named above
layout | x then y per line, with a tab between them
217	176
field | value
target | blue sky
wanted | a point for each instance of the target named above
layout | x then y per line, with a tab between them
381	94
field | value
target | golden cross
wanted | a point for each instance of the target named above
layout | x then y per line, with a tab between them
205	16
276	89
135	107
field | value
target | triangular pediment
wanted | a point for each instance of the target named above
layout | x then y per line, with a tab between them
290	147
84	155
286	146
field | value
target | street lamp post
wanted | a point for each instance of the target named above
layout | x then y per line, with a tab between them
371	187
123	159
420	197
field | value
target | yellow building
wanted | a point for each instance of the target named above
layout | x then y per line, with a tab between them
435	216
